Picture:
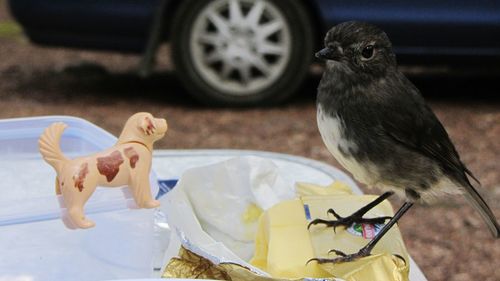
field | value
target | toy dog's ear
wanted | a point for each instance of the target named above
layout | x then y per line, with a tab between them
147	126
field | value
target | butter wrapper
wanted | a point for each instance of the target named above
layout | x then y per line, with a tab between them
284	245
214	210
221	216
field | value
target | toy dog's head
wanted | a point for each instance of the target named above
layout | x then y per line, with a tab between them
142	127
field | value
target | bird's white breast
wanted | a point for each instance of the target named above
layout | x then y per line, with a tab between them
331	130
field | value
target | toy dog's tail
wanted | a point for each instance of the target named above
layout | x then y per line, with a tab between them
49	145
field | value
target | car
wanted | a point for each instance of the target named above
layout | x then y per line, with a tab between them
251	52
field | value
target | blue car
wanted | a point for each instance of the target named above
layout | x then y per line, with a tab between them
248	52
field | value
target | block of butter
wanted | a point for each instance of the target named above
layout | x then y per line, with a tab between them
284	244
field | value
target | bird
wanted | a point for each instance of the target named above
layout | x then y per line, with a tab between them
377	125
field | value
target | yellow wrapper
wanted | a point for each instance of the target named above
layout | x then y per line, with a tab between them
284	245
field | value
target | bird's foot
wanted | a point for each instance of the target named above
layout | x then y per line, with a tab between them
364	252
347	221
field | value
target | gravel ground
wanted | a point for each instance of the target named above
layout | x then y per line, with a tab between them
447	240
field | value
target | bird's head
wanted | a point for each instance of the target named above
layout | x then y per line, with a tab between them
361	47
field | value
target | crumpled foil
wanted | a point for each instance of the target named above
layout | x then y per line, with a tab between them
191	265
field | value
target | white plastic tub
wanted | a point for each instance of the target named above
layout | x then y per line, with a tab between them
34	244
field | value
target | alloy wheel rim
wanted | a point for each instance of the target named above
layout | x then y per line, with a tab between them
240	47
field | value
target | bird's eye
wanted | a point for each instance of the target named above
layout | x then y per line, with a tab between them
367	52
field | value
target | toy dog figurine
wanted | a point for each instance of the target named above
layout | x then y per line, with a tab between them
128	162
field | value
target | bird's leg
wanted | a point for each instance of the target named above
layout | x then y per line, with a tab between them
356	217
366	250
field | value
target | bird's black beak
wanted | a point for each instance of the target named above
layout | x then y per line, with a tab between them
329	54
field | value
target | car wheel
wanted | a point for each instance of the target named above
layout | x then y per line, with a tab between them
241	52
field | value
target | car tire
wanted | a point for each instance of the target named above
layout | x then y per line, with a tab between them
223	61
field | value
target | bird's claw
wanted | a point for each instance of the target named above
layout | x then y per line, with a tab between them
346	221
332	212
337	252
330	223
341	221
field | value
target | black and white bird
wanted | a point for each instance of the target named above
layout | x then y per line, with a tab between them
377	125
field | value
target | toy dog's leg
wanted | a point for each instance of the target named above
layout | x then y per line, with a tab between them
141	190
75	199
78	217
66	220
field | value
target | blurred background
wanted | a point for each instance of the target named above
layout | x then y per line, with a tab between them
241	74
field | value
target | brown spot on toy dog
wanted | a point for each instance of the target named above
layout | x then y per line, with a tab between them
109	166
132	156
80	177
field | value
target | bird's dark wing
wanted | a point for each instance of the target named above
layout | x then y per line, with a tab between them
416	127
427	136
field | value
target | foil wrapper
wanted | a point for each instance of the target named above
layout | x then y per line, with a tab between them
211	238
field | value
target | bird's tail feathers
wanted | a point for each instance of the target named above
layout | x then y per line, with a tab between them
482	208
49	145
469	173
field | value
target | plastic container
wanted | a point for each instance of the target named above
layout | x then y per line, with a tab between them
34	243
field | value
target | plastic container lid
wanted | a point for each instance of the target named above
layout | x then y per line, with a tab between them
34	243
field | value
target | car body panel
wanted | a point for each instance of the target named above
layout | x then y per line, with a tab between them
112	24
458	27
426	26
